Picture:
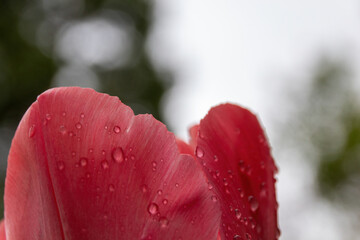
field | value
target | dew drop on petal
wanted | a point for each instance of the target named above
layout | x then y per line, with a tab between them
111	188
237	214
82	115
83	162
236	237
104	164
199	152
214	198
165	201
78	125
144	188
117	129
118	155
153	208
159	192
62	130
60	165
32	131
254	204
164	222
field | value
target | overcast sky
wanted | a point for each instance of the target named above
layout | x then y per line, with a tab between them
254	53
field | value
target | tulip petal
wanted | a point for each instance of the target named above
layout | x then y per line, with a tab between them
2	230
82	166
235	155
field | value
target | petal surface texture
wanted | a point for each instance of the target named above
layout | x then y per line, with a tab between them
82	166
2	230
232	148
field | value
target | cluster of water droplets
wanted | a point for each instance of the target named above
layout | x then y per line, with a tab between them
226	181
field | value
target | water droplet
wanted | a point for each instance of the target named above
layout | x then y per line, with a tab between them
111	188
118	155
91	150
63	114
278	233
210	186
71	134
105	164
144	188
242	166
254	204
78	125
214	198
48	117
60	165
83	162
154	163
117	129
216	158
176	185
88	175
32	131
237	214
165	201
82	115
237	237
153	208
199	152
164	222
159	192
62	130
241	192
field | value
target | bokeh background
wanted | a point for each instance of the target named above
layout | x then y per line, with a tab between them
296	64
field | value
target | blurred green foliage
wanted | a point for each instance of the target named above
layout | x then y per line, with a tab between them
328	130
29	61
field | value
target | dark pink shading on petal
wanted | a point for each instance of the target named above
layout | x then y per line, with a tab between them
235	154
82	166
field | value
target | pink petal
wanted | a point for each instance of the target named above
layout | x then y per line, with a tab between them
235	154
82	166
2	230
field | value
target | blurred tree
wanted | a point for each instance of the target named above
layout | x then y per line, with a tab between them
30	56
328	130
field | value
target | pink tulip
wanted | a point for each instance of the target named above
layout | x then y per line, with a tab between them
82	166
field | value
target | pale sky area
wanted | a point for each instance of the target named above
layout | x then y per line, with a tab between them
252	53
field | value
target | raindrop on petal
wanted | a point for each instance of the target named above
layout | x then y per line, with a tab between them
32	131
153	208
164	222
214	198
199	152
254	204
104	164
117	129
60	165
83	162
111	188
118	155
